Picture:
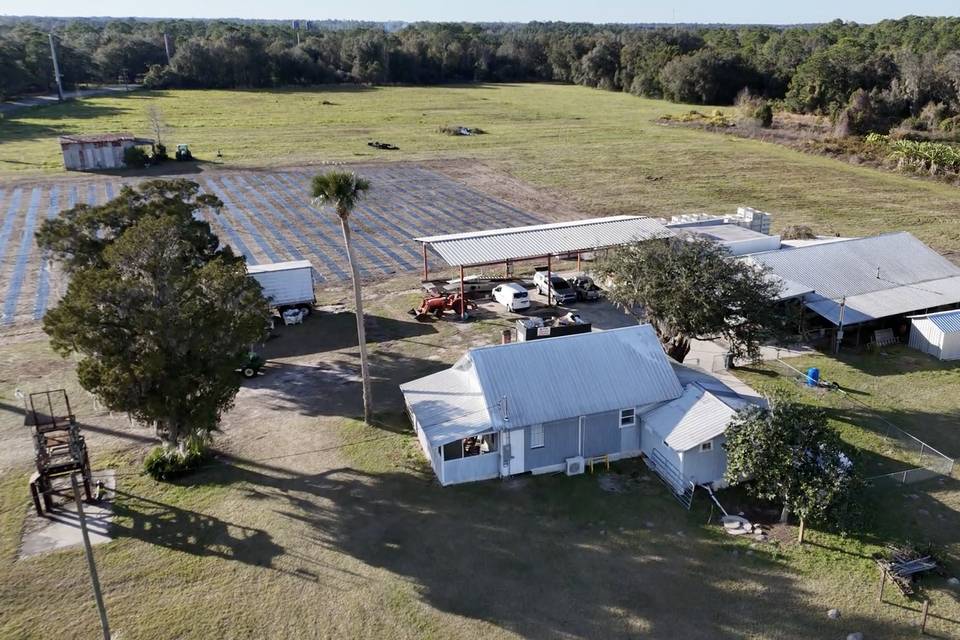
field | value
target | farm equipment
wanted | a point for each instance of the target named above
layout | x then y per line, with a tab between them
438	305
183	152
252	365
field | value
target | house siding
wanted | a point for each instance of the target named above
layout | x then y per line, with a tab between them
482	467
560	441
601	434
702	467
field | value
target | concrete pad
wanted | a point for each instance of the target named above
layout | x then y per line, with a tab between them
60	529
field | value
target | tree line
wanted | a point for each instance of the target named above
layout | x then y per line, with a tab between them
901	66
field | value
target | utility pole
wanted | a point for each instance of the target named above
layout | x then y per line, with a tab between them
90	562
843	307
56	67
166	47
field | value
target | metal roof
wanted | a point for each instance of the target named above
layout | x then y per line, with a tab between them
517	243
557	378
448	405
879	276
693	418
542	380
946	321
103	137
279	266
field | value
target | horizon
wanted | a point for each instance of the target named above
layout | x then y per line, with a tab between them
737	12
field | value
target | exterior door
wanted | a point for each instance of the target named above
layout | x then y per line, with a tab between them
516	451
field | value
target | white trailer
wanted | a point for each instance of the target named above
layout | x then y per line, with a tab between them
285	284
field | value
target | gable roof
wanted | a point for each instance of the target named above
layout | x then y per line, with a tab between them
543	380
946	321
879	276
695	417
515	243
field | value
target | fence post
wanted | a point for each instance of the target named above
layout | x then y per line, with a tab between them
920	462
923	617
883	582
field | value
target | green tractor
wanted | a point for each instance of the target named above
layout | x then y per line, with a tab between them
252	365
183	152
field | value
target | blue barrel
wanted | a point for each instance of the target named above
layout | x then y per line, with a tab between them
813	377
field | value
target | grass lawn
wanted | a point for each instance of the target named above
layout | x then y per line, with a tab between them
917	393
602	151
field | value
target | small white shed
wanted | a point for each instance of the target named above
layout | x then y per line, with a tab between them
285	283
937	334
99	151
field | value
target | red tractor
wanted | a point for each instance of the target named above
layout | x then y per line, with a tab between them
438	305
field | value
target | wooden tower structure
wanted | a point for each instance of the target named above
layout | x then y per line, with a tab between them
59	447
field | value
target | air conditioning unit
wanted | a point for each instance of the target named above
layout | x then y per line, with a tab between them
574	466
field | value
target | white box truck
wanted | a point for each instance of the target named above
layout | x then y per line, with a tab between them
285	284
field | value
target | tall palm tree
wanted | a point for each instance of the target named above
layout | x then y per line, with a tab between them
342	191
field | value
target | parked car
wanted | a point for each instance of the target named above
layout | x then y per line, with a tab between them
512	296
557	287
585	287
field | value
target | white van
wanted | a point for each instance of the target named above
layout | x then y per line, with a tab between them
512	296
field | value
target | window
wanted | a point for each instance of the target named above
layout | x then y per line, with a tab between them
469	447
536	436
628	417
707	446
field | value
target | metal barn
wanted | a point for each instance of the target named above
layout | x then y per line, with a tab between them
937	334
101	151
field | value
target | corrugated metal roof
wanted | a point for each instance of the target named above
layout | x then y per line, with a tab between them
103	137
279	266
543	380
946	321
693	418
888	302
557	378
498	245
449	405
879	276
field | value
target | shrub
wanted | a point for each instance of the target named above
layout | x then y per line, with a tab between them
754	109
135	157
950	125
858	118
160	153
166	464
798	232
160	77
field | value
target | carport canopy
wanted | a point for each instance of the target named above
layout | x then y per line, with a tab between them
477	248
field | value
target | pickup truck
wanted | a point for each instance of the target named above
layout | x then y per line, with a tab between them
555	286
585	288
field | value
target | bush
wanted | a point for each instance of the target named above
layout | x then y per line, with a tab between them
858	118
135	157
950	125
798	232
160	77
754	109
163	463
160	153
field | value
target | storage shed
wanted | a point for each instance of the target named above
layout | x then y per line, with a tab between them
937	334
99	151
285	283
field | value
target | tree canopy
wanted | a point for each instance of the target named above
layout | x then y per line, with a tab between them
160	315
904	64
691	288
788	453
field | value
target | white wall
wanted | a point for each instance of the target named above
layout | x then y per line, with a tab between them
925	336
481	467
701	467
950	349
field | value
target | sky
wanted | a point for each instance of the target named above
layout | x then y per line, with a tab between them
728	11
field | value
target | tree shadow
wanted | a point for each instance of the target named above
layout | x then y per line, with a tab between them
322	332
551	557
331	387
51	121
191	532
